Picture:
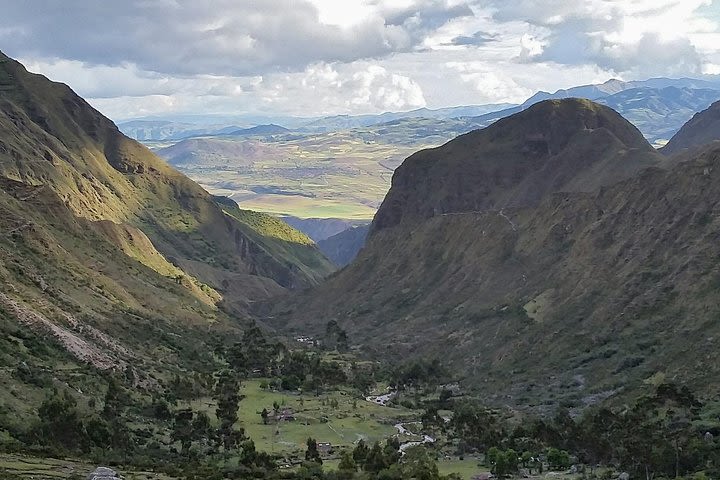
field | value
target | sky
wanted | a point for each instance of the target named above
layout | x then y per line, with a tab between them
136	58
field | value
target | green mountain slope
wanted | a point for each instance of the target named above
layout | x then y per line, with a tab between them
112	264
539	291
278	240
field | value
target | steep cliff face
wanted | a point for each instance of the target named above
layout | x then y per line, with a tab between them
600	281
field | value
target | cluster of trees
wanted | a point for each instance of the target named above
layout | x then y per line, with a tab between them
418	374
63	425
254	355
379	461
336	337
656	436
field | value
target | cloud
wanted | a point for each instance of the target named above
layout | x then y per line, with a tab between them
639	38
321	89
477	38
652	55
315	57
223	37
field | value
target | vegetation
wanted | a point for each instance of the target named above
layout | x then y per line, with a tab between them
122	342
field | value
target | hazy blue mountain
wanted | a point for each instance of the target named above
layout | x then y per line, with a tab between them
342	248
260	130
658	107
158	130
320	229
660	113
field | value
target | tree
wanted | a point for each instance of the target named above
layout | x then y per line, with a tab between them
360	452
417	464
343	344
200	426
391	451
558	459
375	460
491	456
265	414
226	393
237	358
59	421
511	458
115	401
312	454
476	425
501	467
182	429
161	409
347	463
431	420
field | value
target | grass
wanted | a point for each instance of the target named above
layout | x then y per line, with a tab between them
26	467
302	207
343	426
466	468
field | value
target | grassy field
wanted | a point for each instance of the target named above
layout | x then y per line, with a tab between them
466	468
352	420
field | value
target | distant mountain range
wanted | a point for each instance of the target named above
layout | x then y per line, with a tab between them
658	106
657	111
149	129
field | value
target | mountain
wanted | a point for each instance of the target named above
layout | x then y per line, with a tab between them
571	145
659	113
551	257
343	247
213	151
159	130
614	86
321	228
658	107
260	130
703	128
279	241
344	122
111	262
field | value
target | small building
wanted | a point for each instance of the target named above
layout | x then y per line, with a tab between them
324	448
285	415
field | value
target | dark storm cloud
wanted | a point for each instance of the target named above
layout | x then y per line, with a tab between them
186	37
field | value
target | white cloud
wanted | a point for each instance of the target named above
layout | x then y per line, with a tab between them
312	57
319	89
